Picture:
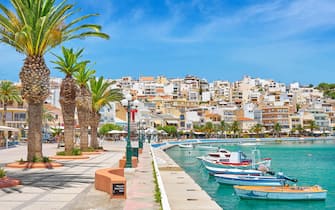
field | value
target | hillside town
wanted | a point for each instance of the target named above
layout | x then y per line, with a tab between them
249	107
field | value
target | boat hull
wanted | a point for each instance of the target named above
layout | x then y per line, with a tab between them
214	170
185	145
280	193
247	180
213	163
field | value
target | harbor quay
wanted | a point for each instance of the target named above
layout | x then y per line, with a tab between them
72	186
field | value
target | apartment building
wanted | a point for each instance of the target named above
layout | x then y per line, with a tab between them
276	114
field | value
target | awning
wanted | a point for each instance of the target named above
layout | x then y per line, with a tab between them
317	132
6	128
172	122
116	132
199	133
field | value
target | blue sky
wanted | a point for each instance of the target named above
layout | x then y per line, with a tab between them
284	40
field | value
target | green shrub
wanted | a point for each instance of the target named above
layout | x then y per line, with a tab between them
46	160
158	196
2	173
21	161
90	149
61	153
76	151
37	160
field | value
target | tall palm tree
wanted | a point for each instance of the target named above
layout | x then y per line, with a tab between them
300	129
235	127
69	64
312	125
209	129
277	129
102	95
223	128
257	128
84	102
8	93
33	28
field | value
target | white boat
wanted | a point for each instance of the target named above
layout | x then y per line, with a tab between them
235	159
281	193
238	160
250	180
185	145
220	154
214	170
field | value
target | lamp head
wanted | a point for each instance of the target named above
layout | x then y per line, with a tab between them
124	102
129	97
136	103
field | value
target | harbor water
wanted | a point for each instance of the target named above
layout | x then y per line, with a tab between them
311	164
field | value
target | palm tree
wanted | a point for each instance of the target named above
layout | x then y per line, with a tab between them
298	129
257	128
84	102
8	93
223	128
102	95
277	129
235	127
33	28
69	64
312	125
209	129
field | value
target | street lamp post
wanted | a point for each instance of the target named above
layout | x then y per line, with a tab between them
127	103
143	131
140	135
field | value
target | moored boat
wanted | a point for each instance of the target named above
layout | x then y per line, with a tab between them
250	180
281	192
220	154
238	160
185	145
214	170
235	160
225	163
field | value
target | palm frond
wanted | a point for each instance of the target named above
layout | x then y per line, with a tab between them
36	26
102	94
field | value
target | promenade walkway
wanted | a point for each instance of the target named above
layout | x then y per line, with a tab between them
182	191
72	186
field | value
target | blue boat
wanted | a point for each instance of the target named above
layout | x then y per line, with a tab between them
236	171
251	180
281	193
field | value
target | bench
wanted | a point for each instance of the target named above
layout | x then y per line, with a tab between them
111	181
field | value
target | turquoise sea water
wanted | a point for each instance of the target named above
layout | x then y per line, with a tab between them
311	164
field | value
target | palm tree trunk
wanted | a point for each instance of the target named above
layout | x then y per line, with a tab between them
68	116
35	89
68	104
4	114
34	134
84	104
82	118
94	123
